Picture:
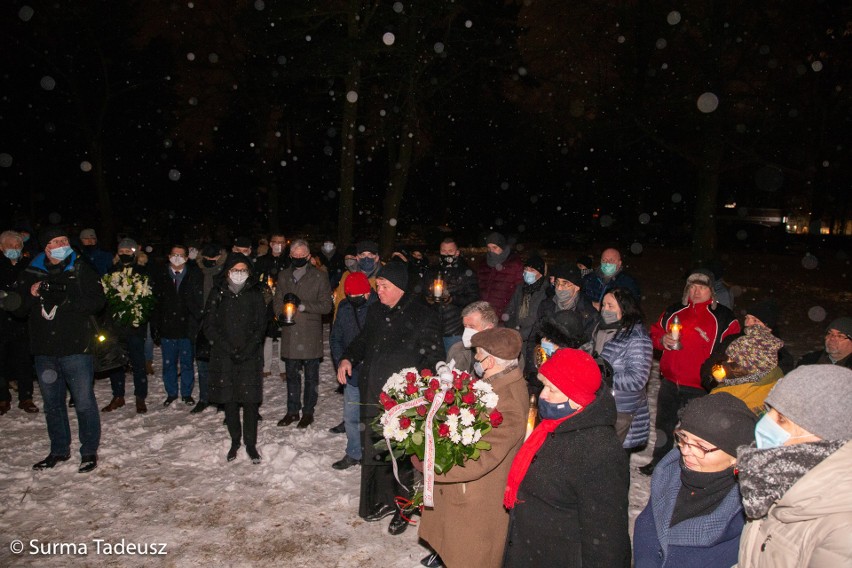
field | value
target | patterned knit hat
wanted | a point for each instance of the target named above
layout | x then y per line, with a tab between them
756	350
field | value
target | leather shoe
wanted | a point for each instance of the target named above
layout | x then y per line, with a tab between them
232	453
432	561
28	406
5	405
50	461
647	469
141	407
199	407
88	463
253	454
116	402
339	429
188	400
379	512
169	400
398	524
306	421
345	463
288	419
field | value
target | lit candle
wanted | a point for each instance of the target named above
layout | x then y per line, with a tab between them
675	328
438	287
719	372
289	311
270	282
531	416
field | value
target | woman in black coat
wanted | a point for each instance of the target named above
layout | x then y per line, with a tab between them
235	325
567	489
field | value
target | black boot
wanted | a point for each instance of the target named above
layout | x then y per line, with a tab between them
252	453
232	453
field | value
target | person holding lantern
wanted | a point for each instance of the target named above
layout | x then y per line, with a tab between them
687	332
449	288
302	297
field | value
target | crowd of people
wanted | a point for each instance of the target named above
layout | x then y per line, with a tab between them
747	443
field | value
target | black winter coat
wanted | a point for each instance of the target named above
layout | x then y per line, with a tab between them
572	508
235	325
177	314
70	332
462	288
10	324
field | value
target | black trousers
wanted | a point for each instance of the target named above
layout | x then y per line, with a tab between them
378	484
15	365
671	399
248	432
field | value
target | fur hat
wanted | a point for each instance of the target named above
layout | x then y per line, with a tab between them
756	350
567	272
356	284
766	311
722	419
129	243
817	398
367	246
51	233
537	263
396	273
699	276
843	325
565	329
501	342
496	238
573	372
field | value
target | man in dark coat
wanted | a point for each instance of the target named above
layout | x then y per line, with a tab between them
500	273
179	289
522	313
459	289
607	276
234	324
400	332
61	294
838	346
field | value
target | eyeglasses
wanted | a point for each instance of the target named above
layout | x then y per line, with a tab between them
836	335
695	449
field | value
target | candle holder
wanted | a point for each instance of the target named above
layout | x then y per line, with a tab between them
675	328
719	372
288	311
439	290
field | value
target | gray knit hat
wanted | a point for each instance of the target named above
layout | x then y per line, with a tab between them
818	398
127	242
842	324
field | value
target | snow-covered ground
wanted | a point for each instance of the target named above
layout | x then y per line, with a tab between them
162	478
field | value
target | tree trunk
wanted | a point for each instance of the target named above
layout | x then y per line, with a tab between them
348	131
398	180
704	238
106	234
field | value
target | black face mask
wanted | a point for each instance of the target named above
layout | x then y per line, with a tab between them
449	260
126	258
357	301
208	262
298	262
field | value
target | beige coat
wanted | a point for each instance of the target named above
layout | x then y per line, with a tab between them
810	526
468	524
303	340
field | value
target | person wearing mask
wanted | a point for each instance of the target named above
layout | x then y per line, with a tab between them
179	290
212	264
234	324
622	341
467	525
476	316
694	516
837	346
346	327
301	343
796	482
133	338
522	313
100	259
333	262
608	275
459	290
566	295
567	488
61	294
500	274
367	260
268	267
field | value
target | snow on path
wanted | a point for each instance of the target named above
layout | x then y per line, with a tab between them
162	478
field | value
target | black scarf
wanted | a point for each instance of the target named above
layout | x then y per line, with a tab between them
700	492
766	475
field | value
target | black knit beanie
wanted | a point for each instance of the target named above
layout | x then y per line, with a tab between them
396	273
722	419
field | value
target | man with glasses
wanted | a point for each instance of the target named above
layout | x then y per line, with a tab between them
179	290
838	346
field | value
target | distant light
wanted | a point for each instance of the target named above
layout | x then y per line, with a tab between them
731	205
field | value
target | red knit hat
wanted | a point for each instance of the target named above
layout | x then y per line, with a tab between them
575	373
356	283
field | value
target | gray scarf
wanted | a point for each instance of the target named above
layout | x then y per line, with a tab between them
766	475
236	288
299	272
495	260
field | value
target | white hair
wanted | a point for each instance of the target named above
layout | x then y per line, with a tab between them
11	235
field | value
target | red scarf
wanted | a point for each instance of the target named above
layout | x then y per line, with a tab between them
525	455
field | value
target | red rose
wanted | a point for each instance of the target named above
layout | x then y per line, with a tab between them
430	395
457	383
464	375
495	417
410	377
387	401
422	410
469	398
453	410
425	373
444	431
411	389
404	422
434	385
449	396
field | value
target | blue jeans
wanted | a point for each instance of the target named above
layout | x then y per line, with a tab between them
294	385
74	373
450	340
175	350
352	421
136	352
203	378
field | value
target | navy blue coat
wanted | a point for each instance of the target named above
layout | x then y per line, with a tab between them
346	327
708	541
595	287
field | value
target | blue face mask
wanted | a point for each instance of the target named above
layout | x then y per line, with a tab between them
768	434
478	368
12	254
554	410
529	277
366	265
548	347
60	253
608	268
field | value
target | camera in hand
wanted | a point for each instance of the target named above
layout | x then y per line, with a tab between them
46	287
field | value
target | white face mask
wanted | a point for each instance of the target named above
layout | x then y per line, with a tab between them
467	336
193	253
277	248
238	277
177	260
328	246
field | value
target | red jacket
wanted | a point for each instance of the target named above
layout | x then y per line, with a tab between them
704	327
496	285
